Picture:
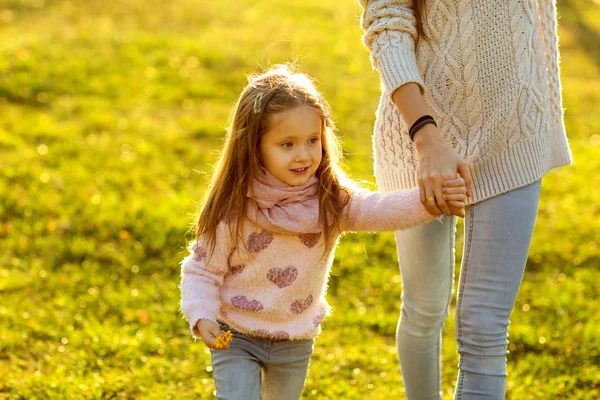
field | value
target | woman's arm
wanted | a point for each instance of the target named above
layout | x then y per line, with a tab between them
390	34
546	11
438	162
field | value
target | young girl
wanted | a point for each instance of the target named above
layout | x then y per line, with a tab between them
266	235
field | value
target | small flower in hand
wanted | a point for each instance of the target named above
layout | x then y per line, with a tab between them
223	340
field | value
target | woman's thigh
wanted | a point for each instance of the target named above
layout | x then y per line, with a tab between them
498	234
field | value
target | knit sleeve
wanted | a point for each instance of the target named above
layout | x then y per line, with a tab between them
546	11
202	276
377	212
390	34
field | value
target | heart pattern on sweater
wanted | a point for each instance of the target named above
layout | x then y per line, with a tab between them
283	277
229	218
298	306
236	269
199	252
246	304
320	317
259	241
310	239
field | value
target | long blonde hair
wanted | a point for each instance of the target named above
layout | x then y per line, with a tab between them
273	91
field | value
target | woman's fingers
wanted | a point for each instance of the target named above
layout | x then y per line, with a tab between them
441	203
430	204
428	199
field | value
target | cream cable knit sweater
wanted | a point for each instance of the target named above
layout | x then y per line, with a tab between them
277	290
490	76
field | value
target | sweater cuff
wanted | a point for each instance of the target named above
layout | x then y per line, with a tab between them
398	66
196	315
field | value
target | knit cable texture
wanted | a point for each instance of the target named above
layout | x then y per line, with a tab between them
490	77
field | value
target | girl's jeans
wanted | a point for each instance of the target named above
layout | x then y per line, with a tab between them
254	368
497	237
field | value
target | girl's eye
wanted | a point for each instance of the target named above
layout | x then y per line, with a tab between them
314	140
287	145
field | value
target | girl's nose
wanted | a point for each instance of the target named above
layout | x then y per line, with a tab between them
302	154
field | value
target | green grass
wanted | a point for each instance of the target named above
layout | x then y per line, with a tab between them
110	117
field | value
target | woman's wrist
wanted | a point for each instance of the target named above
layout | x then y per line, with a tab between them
427	136
409	101
420	123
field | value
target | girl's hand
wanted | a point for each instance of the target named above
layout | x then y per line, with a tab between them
455	195
438	163
209	331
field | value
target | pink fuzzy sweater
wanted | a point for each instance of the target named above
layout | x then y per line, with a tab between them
276	289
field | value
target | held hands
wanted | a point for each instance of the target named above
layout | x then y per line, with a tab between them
209	331
441	191
454	193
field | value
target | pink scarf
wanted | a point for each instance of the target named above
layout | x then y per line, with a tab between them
278	207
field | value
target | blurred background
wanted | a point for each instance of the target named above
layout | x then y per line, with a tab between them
112	114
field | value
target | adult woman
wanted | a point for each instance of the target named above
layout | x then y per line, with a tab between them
488	73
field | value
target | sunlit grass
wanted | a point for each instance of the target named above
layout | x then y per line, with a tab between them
111	115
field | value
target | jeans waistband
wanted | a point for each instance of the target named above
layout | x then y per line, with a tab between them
225	327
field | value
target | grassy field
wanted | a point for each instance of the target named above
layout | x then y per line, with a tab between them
111	114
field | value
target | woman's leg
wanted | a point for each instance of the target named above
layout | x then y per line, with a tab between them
497	237
426	256
286	369
237	370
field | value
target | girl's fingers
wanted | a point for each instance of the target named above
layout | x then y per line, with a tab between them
210	342
455	197
454	190
455	182
463	171
457	204
216	332
211	336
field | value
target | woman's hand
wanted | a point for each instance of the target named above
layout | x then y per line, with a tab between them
209	331
438	163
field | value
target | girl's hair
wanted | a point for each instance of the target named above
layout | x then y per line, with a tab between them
273	91
421	16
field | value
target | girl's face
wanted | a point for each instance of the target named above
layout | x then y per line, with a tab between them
291	149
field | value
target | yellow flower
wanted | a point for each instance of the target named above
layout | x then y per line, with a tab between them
223	340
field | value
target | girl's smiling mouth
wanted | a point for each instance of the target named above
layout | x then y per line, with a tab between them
299	170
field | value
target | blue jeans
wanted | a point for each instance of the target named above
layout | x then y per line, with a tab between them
498	234
254	368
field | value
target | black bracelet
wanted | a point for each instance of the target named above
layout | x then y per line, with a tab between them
421	122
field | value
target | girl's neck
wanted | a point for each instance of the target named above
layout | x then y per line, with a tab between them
279	207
